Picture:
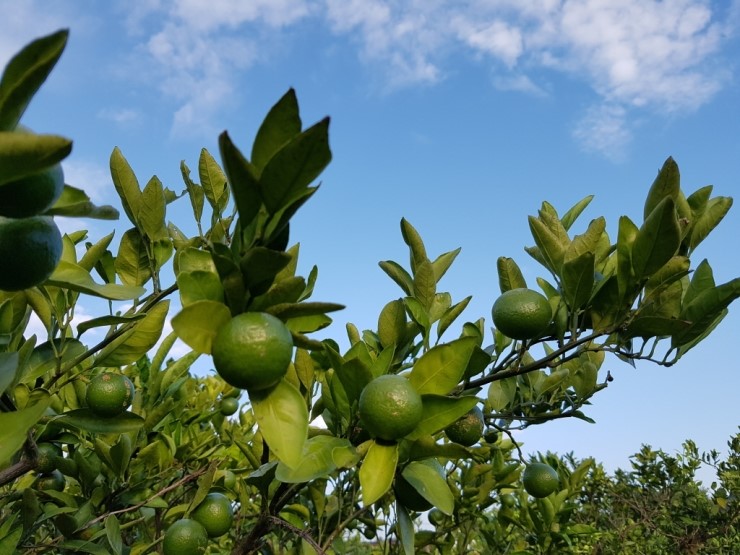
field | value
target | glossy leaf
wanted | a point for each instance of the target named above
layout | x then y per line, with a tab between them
509	275
501	393
317	460
195	192
572	214
626	237
76	204
25	73
550	244
667	184
85	419
377	471
260	265
295	166
132	262
704	309
442	367
443	262
136	342
440	411
151	214
587	242
577	278
425	286
657	240
73	277
241	176
126	184
281	124
14	426
25	153
392	323
415	243
708	219
399	275
451	315
198	323
282	418
427	478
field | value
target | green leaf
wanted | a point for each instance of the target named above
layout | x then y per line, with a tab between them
126	184
281	124
293	310
572	214
704	310
195	192
405	529
657	240
425	286
416	246
399	275
509	275
578	280
23	153
587	242
213	182
708	219
74	203
136	342
550	243
85	419
113	534
316	462
295	166
282	418
443	262
82	327
25	73
241	176
377	471
502	393
442	367
9	543
626	237
667	184
198	323
74	277
260	265
151	214
392	323
132	262
451	315
14	426
441	411
702	280
426	478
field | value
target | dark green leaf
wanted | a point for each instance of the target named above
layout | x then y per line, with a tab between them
295	166
708	219
242	180
399	275
657	240
132	262
405	529
292	310
440	411
416	246
443	262
626	237
451	315
14	426
572	214
260	265
25	73
428	479
424	283
704	309
281	124
667	184
126	184
578	280
85	419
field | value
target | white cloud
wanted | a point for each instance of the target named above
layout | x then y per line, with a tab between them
92	178
121	116
604	129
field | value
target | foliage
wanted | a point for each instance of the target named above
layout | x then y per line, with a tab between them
309	478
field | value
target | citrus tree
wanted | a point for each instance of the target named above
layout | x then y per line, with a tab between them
295	444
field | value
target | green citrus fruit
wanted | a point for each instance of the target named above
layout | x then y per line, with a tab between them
408	496
540	479
252	351
390	407
508	501
215	514
54	480
48	456
468	429
109	394
227	480
30	248
228	406
491	436
436	517
521	313
185	537
32	194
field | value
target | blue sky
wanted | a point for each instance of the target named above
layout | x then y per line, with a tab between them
462	116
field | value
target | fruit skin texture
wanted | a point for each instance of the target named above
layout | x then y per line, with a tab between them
466	430
540	480
31	249
228	406
215	514
390	407
252	351
521	313
47	457
109	394
55	480
185	537
32	194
